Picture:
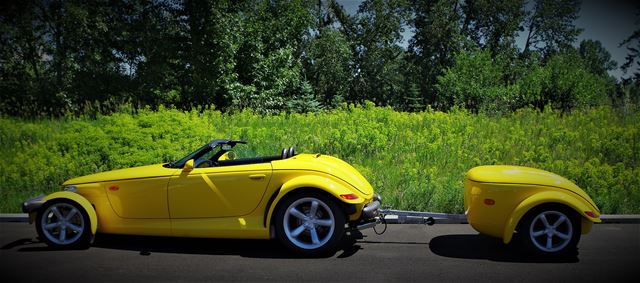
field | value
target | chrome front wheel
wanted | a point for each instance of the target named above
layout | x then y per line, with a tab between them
63	224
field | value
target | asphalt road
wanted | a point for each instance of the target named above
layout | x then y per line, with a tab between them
440	253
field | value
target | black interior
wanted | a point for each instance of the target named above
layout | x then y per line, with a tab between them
286	153
244	161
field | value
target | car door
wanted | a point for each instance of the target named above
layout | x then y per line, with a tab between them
224	191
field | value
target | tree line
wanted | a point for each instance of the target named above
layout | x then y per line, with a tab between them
59	57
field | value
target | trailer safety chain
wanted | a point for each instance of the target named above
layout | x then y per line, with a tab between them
382	221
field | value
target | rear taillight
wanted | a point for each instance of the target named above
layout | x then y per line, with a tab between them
349	196
591	214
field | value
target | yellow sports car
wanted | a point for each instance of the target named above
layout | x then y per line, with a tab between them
548	211
307	201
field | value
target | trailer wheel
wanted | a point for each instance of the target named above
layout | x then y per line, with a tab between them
550	230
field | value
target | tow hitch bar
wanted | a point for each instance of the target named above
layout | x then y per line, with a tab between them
392	216
415	217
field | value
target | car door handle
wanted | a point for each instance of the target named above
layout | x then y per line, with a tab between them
257	176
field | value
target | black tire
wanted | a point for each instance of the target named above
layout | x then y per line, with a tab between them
558	237
327	237
73	238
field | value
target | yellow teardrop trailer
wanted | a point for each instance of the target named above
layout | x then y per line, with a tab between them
548	212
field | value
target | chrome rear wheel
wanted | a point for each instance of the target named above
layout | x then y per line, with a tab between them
309	222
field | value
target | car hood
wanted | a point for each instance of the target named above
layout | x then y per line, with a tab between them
524	175
148	171
327	164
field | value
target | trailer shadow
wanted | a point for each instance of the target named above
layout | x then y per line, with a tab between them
487	248
148	245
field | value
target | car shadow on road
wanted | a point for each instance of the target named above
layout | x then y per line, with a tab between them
487	248
148	245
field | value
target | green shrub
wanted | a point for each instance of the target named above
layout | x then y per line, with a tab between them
416	161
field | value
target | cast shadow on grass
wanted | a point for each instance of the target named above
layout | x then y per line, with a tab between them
148	245
487	248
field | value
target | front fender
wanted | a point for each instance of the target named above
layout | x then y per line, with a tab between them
91	212
324	183
576	203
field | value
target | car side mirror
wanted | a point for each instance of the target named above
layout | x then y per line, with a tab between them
188	166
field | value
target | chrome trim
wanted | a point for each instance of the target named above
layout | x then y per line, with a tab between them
72	189
371	210
32	204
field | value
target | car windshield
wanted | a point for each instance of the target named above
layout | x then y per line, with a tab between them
194	155
215	155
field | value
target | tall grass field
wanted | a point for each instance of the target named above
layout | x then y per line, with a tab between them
416	161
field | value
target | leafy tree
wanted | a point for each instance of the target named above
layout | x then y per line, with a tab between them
633	57
211	42
475	82
270	57
23	78
329	69
377	55
493	24
570	83
550	27
437	38
628	91
596	57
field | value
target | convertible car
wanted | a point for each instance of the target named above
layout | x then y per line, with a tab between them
547	211
307	201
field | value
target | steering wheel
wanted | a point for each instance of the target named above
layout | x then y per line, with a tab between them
200	162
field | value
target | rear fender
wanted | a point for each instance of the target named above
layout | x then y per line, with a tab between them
91	212
577	204
326	184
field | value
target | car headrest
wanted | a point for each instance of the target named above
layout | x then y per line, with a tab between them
292	151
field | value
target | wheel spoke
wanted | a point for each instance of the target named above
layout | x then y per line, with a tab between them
544	220
297	213
71	213
52	225
561	235
56	212
549	242
537	233
314	236
314	208
75	228
560	220
63	234
295	233
324	222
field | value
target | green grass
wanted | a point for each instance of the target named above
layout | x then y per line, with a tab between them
416	161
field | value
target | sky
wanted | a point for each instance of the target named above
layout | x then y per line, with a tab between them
608	21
